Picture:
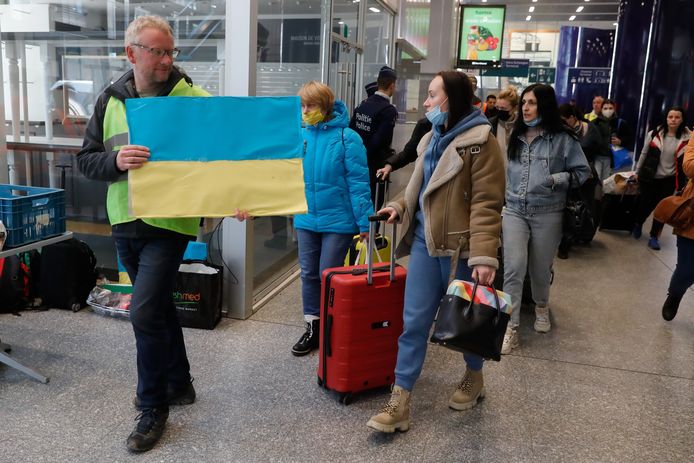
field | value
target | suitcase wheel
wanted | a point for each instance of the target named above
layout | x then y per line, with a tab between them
76	307
346	399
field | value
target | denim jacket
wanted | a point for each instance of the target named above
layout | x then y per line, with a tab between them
537	180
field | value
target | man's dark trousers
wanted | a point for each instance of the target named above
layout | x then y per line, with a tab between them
152	264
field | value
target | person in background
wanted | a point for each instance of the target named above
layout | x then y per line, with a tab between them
451	220
683	276
597	108
150	249
506	114
614	132
371	88
374	121
545	157
659	170
337	194
476	102
489	109
408	153
591	143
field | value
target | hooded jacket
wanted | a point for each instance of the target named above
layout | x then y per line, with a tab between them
336	177
461	201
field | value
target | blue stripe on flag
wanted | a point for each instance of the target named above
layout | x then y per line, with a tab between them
217	128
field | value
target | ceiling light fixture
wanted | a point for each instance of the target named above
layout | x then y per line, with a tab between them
572	17
374	9
531	9
579	9
528	18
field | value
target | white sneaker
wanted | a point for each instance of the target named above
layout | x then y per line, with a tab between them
510	341
542	324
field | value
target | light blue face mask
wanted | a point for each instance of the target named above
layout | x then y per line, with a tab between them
436	117
534	123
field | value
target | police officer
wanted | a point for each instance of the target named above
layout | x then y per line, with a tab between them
374	121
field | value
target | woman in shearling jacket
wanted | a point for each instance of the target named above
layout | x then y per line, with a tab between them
451	220
337	194
545	160
683	276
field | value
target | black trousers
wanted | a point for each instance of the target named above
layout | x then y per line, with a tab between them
650	194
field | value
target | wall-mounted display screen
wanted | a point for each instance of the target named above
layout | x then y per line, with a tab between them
480	36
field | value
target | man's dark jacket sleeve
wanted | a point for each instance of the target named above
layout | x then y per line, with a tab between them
93	160
409	152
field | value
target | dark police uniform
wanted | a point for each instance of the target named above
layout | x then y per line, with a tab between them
374	121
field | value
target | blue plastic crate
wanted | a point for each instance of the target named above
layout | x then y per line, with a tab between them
31	213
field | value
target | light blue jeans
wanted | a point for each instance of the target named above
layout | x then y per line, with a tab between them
530	243
318	251
427	281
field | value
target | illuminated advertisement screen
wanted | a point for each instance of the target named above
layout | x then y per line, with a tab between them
481	36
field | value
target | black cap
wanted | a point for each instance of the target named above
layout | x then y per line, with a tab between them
371	88
387	72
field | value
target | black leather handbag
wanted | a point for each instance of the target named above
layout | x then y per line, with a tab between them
471	326
578	222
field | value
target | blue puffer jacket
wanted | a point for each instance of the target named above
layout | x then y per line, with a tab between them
336	177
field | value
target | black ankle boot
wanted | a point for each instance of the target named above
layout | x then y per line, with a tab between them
149	428
308	340
672	303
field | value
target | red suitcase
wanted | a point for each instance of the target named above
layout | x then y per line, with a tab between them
361	320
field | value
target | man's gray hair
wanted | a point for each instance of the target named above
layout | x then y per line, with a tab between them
146	22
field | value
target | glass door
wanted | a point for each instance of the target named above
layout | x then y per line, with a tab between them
342	72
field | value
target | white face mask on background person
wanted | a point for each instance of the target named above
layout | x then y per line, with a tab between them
608	113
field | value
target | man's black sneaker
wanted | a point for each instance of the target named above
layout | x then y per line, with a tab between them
149	428
672	303
185	396
308	340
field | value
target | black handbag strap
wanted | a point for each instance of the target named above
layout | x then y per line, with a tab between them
466	311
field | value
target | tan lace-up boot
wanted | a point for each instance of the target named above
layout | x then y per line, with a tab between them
469	391
395	415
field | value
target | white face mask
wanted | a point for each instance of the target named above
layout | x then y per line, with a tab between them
608	113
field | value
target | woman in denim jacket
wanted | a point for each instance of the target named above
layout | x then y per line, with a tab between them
545	158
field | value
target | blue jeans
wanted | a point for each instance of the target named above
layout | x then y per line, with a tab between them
318	251
152	265
427	281
683	276
530	244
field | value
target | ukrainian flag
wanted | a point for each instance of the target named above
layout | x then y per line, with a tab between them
211	156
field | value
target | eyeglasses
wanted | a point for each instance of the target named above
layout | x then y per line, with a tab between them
158	52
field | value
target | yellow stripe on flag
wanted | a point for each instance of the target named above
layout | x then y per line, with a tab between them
216	189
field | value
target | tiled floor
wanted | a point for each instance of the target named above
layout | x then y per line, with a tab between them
612	382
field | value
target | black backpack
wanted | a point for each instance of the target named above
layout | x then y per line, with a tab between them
68	274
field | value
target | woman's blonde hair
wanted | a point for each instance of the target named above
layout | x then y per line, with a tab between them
317	93
509	94
146	22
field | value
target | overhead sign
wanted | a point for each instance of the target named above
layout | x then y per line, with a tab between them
509	68
542	75
589	75
481	36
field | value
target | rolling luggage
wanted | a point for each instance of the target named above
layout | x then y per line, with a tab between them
618	212
361	320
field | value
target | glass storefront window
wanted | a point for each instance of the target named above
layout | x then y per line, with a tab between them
377	41
57	58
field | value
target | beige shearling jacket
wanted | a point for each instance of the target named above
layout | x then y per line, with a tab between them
462	202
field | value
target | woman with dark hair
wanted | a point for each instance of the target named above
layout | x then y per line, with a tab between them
659	170
451	220
545	160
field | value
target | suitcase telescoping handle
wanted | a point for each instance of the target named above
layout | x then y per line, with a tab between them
370	247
